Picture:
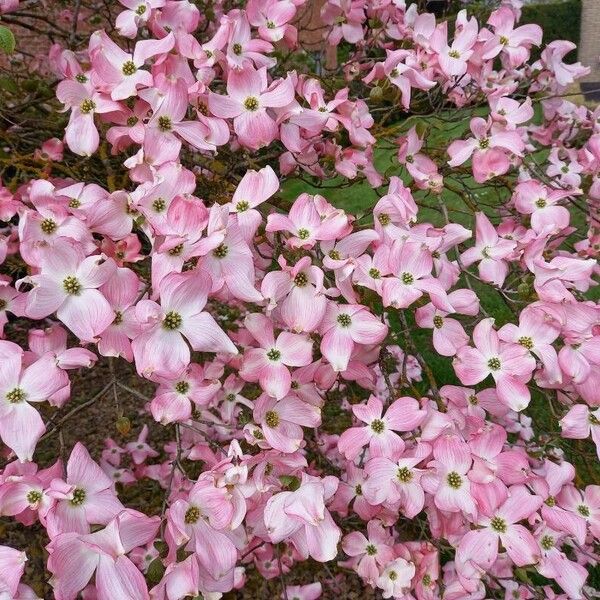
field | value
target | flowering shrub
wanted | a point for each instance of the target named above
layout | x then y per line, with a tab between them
309	383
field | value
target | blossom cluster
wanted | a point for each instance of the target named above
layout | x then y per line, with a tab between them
253	320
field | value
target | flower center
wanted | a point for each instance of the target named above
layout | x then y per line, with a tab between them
272	418
394	73
159	205
270	25
16	395
454	480
78	497
251	103
485	252
87	106
164	123
438	322
371	550
301	279
410	159
404	474
358	489
503	40
129	68
72	286
593	419
547	542
344	320
334	255
454	54
472	399
407	278
583	510
48	226
498	524
237	49
303	233
484	143
172	320
192	515
81	78
182	387
393	575
540	202
526	342
74	203
118	318
550	501
374	273
377	425
220	251
176	250
33	496
3	304
494	363
427	579
242	205
140	10
565	169
384	219
273	354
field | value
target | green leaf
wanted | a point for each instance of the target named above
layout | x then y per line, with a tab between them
7	40
155	571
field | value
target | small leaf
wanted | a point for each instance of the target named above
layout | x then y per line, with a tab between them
7	40
155	571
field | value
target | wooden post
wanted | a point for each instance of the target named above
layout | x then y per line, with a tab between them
589	48
311	35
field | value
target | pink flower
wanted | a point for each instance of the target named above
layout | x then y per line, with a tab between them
379	431
395	580
580	422
247	102
345	325
74	558
535	199
369	553
501	525
511	365
68	285
449	482
490	250
268	364
162	349
87	496
490	149
302	518
139	11
21	426
453	58
282	421
312	591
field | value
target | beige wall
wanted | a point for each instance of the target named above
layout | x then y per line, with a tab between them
589	46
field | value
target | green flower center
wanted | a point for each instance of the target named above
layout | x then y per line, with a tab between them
118	318
384	219
16	395
550	501
484	143
273	354
159	205
78	497
472	399
427	580
270	25
393	575
237	49
454	54
33	496
485	252
404	475
72	286
242	206
230	397
358	489
374	273
565	169
540	202
48	226
3	304
377	425
503	40
526	342
176	250
334	255
454	480
498	524
74	203
165	123
131	121
172	320
394	73
192	515
87	106
81	78
182	387
272	418
547	542
583	510
344	320
301	279
371	550
438	322
251	103
129	68
407	278
303	233
494	363
220	251
140	10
